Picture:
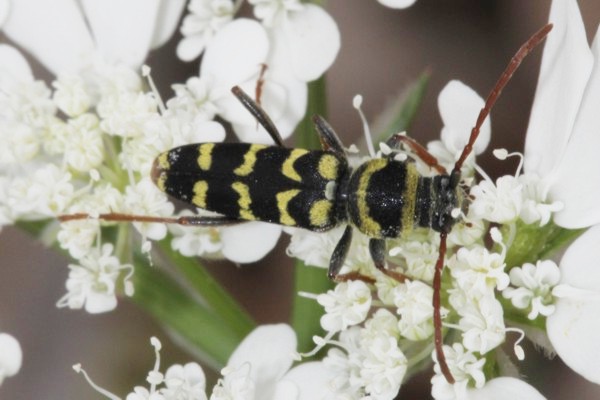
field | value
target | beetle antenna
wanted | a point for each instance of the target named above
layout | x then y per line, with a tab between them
512	66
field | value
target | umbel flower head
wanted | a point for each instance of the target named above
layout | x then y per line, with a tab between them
86	143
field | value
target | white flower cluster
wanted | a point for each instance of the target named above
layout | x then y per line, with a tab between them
87	143
483	298
260	368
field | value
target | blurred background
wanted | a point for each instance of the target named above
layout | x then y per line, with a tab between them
383	51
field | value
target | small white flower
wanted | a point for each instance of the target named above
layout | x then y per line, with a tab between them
78	236
482	323
477	270
205	18
413	300
534	285
47	193
346	305
71	95
124	113
195	95
500	202
144	198
84	148
384	365
536	206
93	283
11	356
464	366
185	382
195	241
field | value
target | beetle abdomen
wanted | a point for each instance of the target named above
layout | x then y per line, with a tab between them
292	187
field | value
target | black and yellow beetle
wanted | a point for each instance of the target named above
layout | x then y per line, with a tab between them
317	190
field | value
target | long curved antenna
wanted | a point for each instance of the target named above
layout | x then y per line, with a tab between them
512	66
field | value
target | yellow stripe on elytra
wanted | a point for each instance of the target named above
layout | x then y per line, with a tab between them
410	190
249	160
320	212
205	156
367	224
244	201
163	161
200	189
163	165
287	168
283	198
328	167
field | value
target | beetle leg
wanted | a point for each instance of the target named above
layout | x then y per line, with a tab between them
339	253
377	251
190	220
421	152
329	139
259	113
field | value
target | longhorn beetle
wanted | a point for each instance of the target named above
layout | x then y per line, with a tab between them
317	190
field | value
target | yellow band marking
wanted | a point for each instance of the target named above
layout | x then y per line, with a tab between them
249	160
163	161
320	212
288	165
244	201
410	192
200	189
160	182
328	167
205	157
368	225
283	198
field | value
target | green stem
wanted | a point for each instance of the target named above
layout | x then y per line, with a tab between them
202	329
306	313
217	298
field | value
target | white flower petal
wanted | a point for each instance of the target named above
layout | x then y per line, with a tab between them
459	107
573	326
565	69
169	13
53	31
236	52
11	356
313	379
285	103
581	164
269	349
249	242
397	3
189	48
314	41
97	303
122	29
505	388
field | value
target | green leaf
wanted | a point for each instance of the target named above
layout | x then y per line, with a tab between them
532	242
203	331
399	116
211	292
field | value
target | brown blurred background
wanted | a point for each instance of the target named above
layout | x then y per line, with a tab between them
383	50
